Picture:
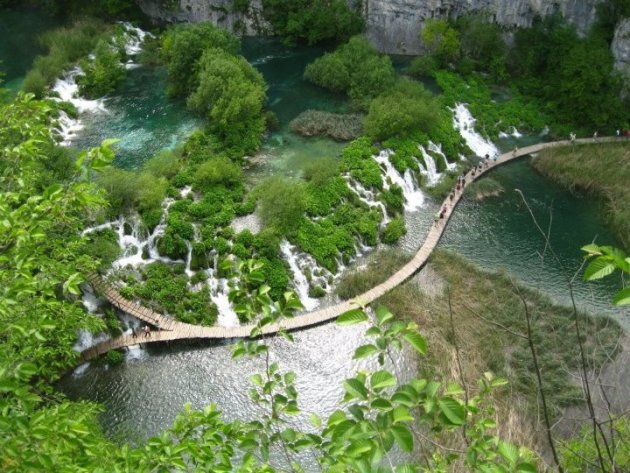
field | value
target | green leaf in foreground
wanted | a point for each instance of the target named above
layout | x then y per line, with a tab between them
417	341
622	297
352	317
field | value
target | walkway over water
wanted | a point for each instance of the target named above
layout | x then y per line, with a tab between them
170	329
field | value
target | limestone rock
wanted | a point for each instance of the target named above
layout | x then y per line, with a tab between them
621	50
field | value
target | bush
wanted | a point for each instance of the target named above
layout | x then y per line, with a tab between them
102	74
282	203
65	46
217	171
182	47
356	158
355	68
394	199
422	66
402	111
394	230
313	20
114	357
230	94
164	164
151	191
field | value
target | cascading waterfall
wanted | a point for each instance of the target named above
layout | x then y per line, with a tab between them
66	88
414	198
464	122
437	149
512	131
219	294
429	169
368	197
300	281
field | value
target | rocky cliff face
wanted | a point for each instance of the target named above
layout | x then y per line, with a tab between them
621	51
392	25
219	12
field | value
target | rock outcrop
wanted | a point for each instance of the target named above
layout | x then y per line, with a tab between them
219	12
621	51
393	26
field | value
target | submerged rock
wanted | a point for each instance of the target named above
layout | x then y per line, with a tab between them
343	127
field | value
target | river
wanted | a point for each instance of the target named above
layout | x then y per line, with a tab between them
143	395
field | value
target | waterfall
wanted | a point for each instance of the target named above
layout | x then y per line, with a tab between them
464	122
219	290
368	197
414	198
66	88
512	131
300	281
437	149
433	176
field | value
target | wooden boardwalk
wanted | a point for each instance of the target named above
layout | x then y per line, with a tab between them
170	329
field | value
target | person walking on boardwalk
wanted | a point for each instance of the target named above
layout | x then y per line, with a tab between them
147	331
514	151
133	333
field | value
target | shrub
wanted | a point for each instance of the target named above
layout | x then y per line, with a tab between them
282	203
102	74
394	230
422	66
313	20
114	357
230	94
151	191
355	68
402	111
356	158
164	164
182	47
393	198
217	171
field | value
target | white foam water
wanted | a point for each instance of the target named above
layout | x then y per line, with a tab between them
512	131
464	122
297	262
429	169
367	196
66	88
414	198
219	290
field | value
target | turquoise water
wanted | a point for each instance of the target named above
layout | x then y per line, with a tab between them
19	30
143	396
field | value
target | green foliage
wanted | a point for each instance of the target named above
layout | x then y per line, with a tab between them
572	77
230	93
422	66
114	357
579	453
277	210
481	43
357	159
164	164
65	46
338	126
405	109
604	261
217	171
609	13
394	230
313	20
165	289
355	68
325	241
491	116
103	246
182	48
394	199
101	74
441	39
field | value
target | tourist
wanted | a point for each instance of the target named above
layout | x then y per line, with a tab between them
572	137
618	132
133	333
514	151
147	331
595	135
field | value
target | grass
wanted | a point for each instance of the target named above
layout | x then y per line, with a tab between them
486	187
65	46
487	313
601	170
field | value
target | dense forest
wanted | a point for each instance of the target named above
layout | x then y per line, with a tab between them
518	366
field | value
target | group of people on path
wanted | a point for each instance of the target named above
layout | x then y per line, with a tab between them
146	329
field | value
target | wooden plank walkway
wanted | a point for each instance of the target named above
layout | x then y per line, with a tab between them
170	329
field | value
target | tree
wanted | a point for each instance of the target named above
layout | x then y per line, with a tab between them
102	74
402	111
355	68
441	40
231	94
282	203
183	46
